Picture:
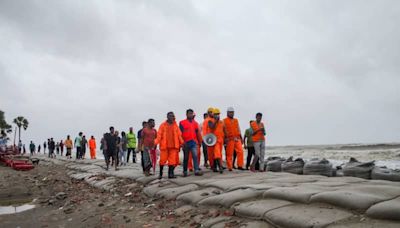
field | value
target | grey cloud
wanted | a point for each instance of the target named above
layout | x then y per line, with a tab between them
320	71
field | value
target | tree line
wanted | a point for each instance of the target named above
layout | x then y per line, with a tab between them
20	122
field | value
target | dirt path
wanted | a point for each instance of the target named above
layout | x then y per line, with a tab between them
63	202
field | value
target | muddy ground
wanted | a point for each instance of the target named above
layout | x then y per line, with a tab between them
63	202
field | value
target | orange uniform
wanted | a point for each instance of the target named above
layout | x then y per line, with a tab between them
233	142
170	139
259	136
92	147
215	152
205	131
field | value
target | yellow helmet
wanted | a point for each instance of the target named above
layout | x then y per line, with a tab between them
210	109
216	111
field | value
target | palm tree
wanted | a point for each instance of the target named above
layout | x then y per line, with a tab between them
20	121
4	126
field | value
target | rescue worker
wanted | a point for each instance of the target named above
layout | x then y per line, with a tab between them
170	140
216	127
192	138
205	131
258	137
92	147
203	145
233	140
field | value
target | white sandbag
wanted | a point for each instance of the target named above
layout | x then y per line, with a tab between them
386	210
383	173
318	167
355	168
229	198
293	166
274	164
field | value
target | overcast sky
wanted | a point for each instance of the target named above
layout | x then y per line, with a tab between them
320	71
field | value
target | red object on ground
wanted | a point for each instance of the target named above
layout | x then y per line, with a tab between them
11	158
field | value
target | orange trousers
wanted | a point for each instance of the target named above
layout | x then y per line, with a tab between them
214	152
231	146
92	153
170	156
190	162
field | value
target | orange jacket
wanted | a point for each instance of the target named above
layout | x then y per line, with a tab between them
92	144
218	131
259	136
162	136
205	129
232	128
68	143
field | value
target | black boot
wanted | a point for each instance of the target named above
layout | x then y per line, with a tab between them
171	174
215	165
221	169
161	172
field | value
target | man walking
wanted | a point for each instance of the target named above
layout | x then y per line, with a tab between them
192	137
92	147
84	143
123	147
233	140
68	145
216	127
62	147
48	146
204	146
148	136
110	140
78	145
140	143
249	146
170	140
131	145
32	148
205	131
52	147
258	137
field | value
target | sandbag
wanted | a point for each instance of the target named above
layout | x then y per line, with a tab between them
229	198
295	167
383	173
355	168
357	197
274	164
318	167
386	210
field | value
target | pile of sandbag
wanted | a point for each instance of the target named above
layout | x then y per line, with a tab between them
274	164
293	166
318	167
355	168
383	173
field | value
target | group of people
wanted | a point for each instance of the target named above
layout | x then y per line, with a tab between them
117	149
57	148
188	135
51	145
170	138
81	144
